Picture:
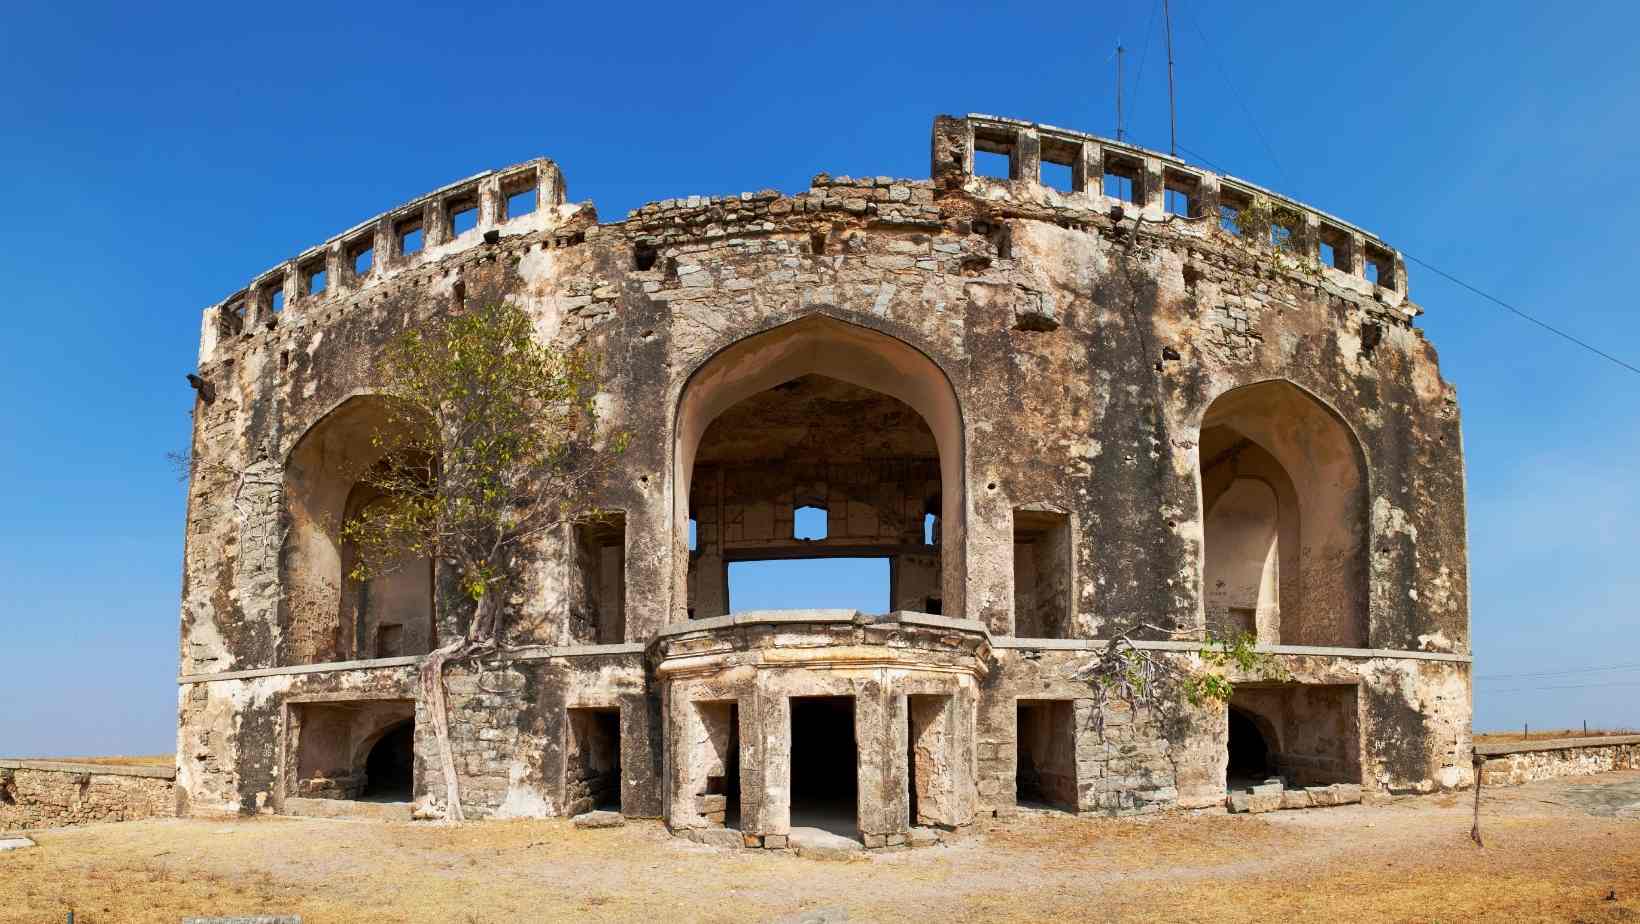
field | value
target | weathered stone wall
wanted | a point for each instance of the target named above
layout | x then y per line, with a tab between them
1082	344
1526	762
49	794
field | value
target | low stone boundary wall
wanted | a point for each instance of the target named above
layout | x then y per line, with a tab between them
1528	761
49	793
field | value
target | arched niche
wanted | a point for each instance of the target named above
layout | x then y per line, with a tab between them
823	346
1241	580
326	616
1283	437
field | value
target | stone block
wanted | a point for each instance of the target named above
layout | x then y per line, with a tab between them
1346	793
753	841
1266	789
922	837
774	842
1321	795
875	840
717	837
1295	799
600	820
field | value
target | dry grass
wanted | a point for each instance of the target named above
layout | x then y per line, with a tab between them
1410	861
147	760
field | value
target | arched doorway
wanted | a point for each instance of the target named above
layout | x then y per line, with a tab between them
390	765
326	615
857	427
1250	751
1284	486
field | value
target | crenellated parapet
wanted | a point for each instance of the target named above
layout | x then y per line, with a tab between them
520	199
1114	178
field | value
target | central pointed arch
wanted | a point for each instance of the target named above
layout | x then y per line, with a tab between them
818	345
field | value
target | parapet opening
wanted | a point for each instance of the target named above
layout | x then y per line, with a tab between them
1042	573
1284	230
1045	753
313	278
520	199
825	765
1333	248
598	597
592	760
407	236
1233	204
996	152
361	256
1124	177
271	296
1181	193
1380	267
463	214
1061	165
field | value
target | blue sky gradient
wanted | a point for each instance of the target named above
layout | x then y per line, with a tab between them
156	157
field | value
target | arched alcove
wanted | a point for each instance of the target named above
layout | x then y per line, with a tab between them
325	615
820	359
1274	443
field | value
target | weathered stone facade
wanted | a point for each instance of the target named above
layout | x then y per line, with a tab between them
50	794
1054	412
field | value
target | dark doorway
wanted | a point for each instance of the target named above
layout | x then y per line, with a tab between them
825	762
1249	751
390	768
1045	754
592	767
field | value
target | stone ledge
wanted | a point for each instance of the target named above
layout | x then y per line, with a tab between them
68	766
1554	744
528	653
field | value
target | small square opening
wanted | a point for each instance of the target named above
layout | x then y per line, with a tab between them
1232	205
809	522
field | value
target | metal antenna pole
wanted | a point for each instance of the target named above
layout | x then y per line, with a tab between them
1172	114
1119	51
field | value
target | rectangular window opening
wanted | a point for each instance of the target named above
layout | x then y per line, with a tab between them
1232	204
1042	574
599	610
1380	267
362	257
592	761
273	297
848	583
1061	165
520	202
1333	248
994	150
313	279
409	237
931	529
1057	176
694	535
1181	194
389	640
1045	754
463	216
1123	178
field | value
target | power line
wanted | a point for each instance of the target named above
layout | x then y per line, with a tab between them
1571	686
1516	311
1560	673
1241	101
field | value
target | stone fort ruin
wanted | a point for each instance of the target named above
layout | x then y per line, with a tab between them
1062	387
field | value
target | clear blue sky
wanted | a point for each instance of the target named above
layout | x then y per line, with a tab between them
154	158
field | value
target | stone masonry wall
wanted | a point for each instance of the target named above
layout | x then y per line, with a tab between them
48	794
1512	765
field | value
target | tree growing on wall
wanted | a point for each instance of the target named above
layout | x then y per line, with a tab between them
1165	682
491	443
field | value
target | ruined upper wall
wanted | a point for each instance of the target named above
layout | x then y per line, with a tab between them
1026	145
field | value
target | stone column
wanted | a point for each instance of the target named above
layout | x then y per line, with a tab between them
879	730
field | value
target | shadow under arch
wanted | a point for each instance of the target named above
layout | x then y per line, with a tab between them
320	474
819	344
1285	435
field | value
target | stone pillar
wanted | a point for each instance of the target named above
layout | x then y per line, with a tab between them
951	154
435	223
879	730
1087	174
336	268
489	202
381	248
1027	160
1151	195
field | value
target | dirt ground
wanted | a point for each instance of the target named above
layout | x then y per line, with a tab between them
141	760
1567	850
1549	734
